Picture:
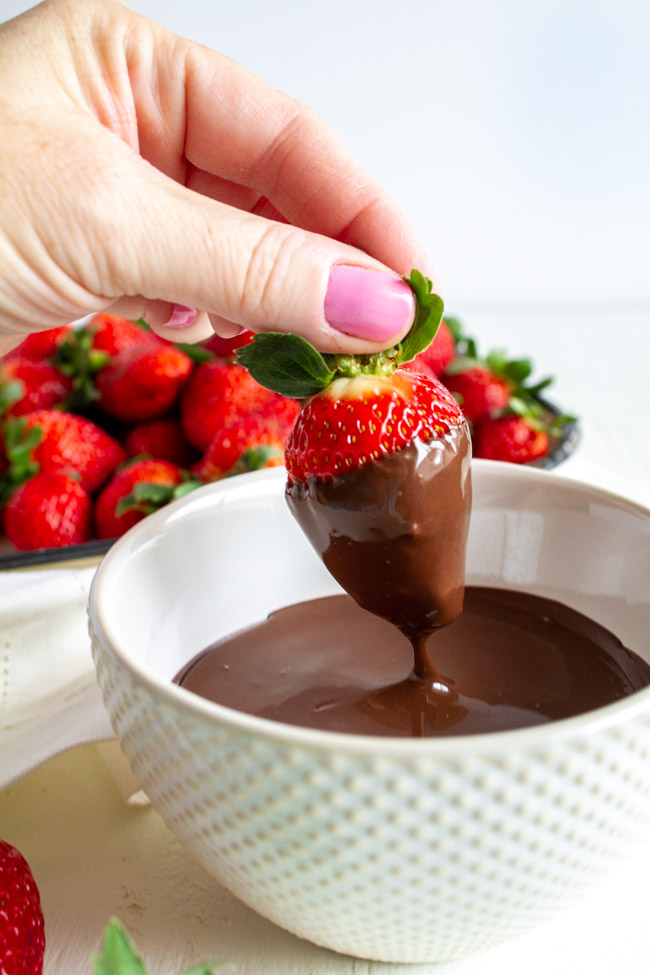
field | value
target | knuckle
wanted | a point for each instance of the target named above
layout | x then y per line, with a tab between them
267	281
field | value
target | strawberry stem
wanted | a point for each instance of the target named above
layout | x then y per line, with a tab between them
290	365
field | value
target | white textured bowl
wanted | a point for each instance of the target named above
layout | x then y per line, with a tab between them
390	849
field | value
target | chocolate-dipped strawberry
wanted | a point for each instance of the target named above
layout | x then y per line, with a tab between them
378	466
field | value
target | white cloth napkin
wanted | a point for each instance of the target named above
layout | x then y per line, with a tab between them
49	698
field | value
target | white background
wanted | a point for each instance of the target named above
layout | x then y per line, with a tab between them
515	134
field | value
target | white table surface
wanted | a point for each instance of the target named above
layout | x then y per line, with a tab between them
95	856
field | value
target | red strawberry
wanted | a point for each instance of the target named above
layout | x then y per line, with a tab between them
281	411
50	510
163	439
218	393
43	385
113	334
22	930
358	420
433	360
226	348
509	438
250	443
378	472
41	345
479	390
143	381
136	490
67	442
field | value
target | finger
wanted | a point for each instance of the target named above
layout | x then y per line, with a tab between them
174	322
260	274
177	323
224	328
207	111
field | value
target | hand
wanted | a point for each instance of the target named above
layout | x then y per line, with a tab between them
146	175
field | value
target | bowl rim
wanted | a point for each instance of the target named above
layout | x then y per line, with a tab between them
529	738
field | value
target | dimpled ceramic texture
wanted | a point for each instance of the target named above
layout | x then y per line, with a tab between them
400	851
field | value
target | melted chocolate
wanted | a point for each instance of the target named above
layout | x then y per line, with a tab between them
509	661
393	534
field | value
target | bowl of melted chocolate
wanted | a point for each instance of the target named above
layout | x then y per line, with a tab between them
389	749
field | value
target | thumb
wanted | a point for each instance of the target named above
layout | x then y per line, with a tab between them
168	243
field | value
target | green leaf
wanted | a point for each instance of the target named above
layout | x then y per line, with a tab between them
496	360
77	359
518	369
19	443
558	423
197	353
10	392
427	318
146	496
188	484
518	406
455	327
118	955
286	364
255	459
538	387
461	364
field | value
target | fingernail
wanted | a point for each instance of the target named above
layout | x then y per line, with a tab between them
181	317
374	305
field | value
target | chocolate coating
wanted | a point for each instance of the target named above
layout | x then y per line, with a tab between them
394	533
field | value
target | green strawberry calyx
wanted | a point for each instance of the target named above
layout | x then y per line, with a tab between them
119	956
19	443
77	359
148	496
288	364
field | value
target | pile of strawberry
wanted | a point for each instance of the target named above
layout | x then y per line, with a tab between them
102	425
507	419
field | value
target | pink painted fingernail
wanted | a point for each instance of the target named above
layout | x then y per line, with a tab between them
181	317
374	305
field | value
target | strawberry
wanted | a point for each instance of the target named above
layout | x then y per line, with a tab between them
84	351
50	510
250	443
226	348
378	470
281	411
42	385
135	490
479	390
63	441
433	360
163	439
41	345
22	930
511	438
487	386
112	334
220	392
142	381
355	421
